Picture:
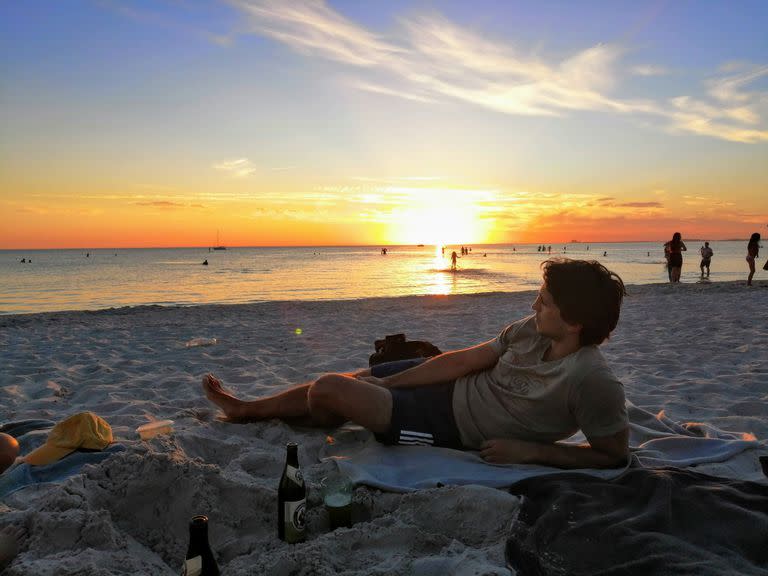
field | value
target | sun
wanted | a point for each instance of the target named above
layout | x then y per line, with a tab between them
440	218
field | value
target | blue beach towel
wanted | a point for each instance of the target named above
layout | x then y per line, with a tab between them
655	441
31	434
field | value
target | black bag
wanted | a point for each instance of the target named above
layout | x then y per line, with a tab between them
394	347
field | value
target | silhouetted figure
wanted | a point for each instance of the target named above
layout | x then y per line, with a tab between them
538	248
205	262
454	256
675	263
706	258
23	260
87	254
753	251
549	248
605	253
383	251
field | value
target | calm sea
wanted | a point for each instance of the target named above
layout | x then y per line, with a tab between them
88	280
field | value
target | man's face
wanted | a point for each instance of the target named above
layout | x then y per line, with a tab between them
548	320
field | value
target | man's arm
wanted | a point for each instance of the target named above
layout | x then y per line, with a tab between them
442	368
601	452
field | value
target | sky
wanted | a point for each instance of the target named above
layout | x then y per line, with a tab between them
273	122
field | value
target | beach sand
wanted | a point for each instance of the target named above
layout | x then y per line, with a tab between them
697	351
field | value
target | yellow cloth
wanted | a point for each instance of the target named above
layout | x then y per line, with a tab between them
83	430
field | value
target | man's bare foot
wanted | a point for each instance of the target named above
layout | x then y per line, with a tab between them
233	408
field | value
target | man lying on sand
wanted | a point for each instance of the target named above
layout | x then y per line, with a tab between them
513	397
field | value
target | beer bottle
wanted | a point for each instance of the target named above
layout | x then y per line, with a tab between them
291	499
200	560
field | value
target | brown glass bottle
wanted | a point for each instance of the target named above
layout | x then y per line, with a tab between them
291	499
199	560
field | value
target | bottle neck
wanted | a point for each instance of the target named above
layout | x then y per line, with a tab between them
198	533
293	457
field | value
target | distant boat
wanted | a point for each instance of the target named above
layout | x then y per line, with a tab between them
218	246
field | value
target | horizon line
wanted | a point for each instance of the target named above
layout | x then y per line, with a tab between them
382	244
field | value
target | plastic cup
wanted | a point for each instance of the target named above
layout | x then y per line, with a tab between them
152	429
337	498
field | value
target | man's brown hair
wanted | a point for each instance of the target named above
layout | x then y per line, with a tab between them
587	293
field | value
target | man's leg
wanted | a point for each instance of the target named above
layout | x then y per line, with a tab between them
291	403
326	401
344	396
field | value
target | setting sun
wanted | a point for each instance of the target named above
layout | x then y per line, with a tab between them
441	217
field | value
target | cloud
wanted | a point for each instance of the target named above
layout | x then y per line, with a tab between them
641	205
239	167
311	27
430	57
376	89
731	112
167	204
32	210
426	58
648	70
161	204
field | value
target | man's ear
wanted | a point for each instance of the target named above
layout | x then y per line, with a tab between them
574	328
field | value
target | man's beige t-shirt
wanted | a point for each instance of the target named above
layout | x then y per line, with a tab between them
526	398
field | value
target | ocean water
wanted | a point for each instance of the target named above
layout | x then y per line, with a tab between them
53	280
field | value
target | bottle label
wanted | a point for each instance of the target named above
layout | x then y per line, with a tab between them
295	521
295	475
193	566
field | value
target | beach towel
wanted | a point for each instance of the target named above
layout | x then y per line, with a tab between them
655	441
31	434
661	521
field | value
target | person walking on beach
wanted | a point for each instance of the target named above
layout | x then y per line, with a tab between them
706	258
675	249
453	260
753	250
513	397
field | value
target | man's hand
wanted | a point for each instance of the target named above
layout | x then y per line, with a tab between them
509	451
601	452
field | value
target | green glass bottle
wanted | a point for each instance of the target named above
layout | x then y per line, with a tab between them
291	499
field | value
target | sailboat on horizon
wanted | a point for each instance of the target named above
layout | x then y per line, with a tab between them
218	246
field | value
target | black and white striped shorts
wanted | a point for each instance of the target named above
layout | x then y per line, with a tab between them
423	416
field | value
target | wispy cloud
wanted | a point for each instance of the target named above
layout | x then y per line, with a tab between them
238	167
168	204
733	111
648	70
636	205
427	58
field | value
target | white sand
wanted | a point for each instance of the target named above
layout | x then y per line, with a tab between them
700	352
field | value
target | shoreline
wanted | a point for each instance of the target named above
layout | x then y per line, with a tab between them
709	285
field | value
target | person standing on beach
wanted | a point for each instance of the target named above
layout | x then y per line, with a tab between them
753	251
513	397
706	258
675	249
453	260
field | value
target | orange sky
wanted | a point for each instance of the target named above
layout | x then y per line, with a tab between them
316	123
